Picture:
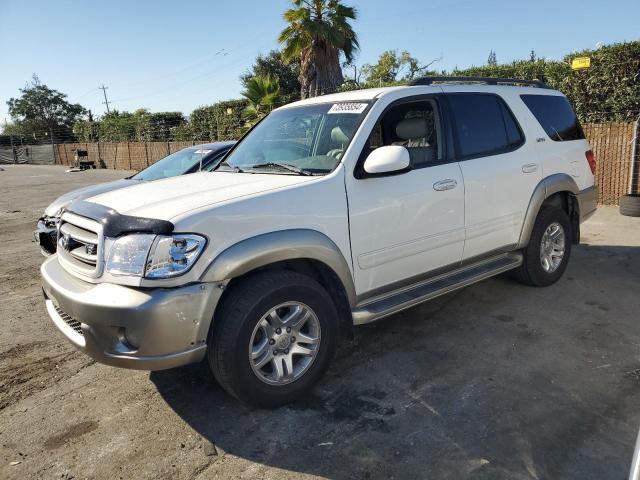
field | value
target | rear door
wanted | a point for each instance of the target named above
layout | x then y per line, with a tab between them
499	166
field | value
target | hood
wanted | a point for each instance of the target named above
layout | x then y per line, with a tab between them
170	197
84	193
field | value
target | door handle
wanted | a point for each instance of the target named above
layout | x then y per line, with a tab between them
446	184
529	167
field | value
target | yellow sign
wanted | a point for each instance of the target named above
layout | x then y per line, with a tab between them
580	63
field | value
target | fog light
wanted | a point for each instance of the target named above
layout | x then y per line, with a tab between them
128	338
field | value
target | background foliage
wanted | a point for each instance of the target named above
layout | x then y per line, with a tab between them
41	111
140	125
273	65
608	91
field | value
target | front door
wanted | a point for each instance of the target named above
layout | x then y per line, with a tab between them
405	225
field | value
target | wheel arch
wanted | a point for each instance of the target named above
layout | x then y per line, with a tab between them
297	249
304	251
559	190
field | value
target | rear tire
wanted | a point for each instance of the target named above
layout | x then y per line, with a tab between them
272	338
630	205
546	256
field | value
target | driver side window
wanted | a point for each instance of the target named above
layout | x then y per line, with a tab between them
413	125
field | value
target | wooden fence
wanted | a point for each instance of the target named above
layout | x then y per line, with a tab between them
122	155
612	145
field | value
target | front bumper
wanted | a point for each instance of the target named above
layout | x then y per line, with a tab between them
46	236
587	202
145	329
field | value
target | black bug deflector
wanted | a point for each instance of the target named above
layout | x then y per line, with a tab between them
115	224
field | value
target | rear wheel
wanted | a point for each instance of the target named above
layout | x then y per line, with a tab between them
546	256
272	337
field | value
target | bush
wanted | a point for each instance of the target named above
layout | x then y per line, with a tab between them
608	91
217	122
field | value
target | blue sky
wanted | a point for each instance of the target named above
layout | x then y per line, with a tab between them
169	55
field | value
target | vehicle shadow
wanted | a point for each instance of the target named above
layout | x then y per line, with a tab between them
497	380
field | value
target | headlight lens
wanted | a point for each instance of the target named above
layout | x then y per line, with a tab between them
171	256
128	254
154	256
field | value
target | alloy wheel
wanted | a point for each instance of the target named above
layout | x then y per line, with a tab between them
284	343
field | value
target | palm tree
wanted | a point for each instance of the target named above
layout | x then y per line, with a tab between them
263	94
317	33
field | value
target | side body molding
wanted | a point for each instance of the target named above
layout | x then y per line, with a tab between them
262	250
558	182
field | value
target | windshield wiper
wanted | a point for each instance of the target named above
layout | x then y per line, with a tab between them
284	166
235	169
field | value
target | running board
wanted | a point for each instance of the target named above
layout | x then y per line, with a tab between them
412	295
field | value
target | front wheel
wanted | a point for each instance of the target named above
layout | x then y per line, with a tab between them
546	256
272	337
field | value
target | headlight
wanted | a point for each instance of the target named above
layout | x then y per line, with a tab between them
171	256
128	254
154	256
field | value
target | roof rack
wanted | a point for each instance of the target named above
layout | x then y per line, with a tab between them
487	80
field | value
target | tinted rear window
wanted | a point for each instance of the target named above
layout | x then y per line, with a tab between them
484	125
555	115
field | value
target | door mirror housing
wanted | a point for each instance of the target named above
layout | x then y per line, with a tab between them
387	160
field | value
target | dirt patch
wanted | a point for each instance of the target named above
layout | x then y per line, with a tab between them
70	433
30	368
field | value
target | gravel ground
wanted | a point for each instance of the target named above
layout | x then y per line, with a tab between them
495	381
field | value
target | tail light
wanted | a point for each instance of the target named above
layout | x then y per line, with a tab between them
591	159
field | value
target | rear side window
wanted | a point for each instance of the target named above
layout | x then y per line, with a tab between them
555	115
484	125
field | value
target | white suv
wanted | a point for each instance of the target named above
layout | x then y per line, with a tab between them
331	212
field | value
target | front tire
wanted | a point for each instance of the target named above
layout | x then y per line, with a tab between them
272	338
546	256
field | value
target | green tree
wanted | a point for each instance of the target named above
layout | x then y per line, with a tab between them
117	127
318	32
262	94
273	65
41	111
492	60
393	68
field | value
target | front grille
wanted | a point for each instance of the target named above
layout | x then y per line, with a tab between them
78	246
72	322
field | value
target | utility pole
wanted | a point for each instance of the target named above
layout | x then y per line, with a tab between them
104	91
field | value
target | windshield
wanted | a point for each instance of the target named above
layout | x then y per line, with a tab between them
309	139
175	164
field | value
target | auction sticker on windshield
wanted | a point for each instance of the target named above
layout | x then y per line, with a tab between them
347	108
203	151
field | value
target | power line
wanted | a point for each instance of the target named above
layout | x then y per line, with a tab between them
106	102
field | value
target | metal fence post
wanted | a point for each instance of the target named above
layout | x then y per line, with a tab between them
634	168
14	154
129	154
53	147
146	152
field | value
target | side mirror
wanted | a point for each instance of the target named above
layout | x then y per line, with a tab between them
387	159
